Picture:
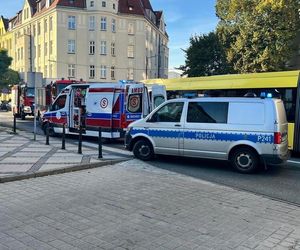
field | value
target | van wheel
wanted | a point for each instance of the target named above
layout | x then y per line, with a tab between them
143	150
244	160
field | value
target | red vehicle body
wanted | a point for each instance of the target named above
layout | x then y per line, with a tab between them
22	100
46	95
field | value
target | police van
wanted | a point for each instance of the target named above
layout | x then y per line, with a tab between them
248	132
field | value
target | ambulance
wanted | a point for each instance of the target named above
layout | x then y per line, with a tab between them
111	106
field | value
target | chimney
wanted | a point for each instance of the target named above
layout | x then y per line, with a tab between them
48	3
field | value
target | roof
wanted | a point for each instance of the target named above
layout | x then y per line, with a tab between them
133	7
288	79
74	4
5	22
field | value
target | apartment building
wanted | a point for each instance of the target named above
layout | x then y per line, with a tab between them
95	40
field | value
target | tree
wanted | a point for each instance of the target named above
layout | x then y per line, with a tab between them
5	61
7	76
10	77
205	57
258	35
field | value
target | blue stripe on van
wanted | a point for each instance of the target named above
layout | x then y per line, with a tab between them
266	138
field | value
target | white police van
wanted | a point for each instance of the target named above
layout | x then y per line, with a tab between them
248	132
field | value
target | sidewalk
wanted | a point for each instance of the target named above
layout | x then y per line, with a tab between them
133	205
22	157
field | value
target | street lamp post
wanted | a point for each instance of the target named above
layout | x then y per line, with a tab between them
34	107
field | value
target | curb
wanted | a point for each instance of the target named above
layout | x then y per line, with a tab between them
60	170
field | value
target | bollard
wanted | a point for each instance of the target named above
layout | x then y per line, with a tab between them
63	142
80	141
100	144
15	124
47	133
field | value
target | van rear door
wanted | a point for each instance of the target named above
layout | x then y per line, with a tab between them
281	129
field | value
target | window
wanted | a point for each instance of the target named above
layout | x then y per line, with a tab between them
46	49
92	71
71	46
92	3
39	29
130	74
130	51
45	25
71	70
113	51
130	29
71	23
103	4
51	47
112	73
114	6
103	23
39	50
207	112
103	72
103	48
91	23
135	103
158	100
92	48
51	23
59	103
113	25
170	112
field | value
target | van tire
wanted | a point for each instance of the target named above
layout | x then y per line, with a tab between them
143	150
244	160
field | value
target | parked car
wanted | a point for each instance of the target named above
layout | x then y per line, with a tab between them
4	106
248	132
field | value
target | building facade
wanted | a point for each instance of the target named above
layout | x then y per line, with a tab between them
93	40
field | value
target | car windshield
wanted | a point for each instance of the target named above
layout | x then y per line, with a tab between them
30	92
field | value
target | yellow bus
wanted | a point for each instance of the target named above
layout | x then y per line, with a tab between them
283	84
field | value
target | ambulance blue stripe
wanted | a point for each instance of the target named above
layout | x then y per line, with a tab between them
266	138
103	116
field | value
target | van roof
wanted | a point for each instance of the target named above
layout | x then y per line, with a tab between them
226	99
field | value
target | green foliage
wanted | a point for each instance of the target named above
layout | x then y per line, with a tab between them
5	61
258	35
205	57
7	76
10	77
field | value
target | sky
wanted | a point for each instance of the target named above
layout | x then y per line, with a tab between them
184	18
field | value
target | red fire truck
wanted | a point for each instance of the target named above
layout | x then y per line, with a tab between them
46	95
22	100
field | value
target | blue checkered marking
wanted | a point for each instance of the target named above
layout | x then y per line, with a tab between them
266	138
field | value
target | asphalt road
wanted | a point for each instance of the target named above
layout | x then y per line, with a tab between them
282	183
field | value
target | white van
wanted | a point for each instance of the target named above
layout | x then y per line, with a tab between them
247	132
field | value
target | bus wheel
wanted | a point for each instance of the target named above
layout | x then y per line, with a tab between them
245	160
143	150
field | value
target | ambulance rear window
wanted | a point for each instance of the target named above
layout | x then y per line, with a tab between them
135	103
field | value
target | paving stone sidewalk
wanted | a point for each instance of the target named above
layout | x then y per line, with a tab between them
133	205
20	155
